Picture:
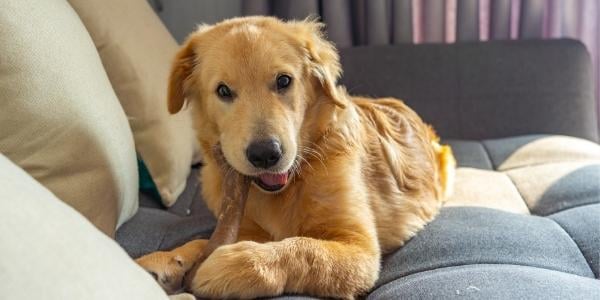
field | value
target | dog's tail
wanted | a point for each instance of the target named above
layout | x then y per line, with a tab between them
446	164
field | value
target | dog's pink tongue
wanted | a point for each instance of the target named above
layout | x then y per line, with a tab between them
274	179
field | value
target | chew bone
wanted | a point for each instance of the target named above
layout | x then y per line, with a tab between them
235	189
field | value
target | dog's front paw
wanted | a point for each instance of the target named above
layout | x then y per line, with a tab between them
243	270
167	268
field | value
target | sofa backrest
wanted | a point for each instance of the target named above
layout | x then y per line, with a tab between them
483	90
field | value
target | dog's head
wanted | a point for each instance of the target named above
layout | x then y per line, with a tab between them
255	84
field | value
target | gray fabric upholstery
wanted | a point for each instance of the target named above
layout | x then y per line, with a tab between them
157	228
483	90
537	149
471	154
489	282
463	236
583	225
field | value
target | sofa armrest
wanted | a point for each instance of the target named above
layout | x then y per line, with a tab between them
481	90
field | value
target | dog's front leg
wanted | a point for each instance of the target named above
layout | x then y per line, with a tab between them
341	268
169	267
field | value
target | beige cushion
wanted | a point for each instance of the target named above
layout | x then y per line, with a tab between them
49	251
483	188
136	51
554	186
536	174
531	150
60	119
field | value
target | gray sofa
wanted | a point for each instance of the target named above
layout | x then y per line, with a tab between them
524	221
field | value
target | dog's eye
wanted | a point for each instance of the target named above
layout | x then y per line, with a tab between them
283	81
224	92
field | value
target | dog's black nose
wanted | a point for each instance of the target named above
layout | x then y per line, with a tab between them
264	154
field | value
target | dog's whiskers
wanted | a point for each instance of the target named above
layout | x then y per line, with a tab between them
306	161
317	146
313	153
296	167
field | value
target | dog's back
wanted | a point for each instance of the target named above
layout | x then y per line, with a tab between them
408	172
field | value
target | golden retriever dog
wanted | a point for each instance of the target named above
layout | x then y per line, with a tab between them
338	181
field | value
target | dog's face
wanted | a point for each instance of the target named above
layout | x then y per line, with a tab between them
250	82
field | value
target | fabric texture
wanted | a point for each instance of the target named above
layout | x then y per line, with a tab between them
582	224
483	188
472	154
154	227
59	119
483	90
137	51
49	251
545	186
464	236
489	282
532	150
531	174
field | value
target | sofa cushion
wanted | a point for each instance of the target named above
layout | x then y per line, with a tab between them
136	51
49	251
552	187
543	173
464	236
583	225
60	119
470	154
489	282
485	188
528	150
481	90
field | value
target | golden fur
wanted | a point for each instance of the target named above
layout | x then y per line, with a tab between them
368	174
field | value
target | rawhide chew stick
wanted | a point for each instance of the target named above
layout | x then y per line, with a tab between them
235	189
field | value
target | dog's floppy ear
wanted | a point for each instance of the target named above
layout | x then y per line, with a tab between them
323	58
181	70
183	65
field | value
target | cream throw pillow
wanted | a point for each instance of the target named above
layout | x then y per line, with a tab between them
137	50
59	117
49	251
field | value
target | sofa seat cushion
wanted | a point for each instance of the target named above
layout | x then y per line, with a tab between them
519	225
521	151
486	188
489	281
582	224
463	236
528	150
537	174
552	187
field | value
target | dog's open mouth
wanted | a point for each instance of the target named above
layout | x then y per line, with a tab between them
271	182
